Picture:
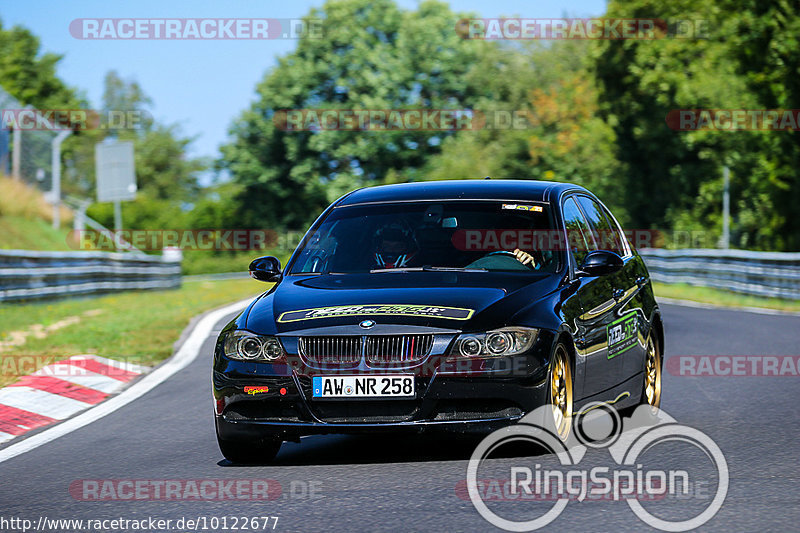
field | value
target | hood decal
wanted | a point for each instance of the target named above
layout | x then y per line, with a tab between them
451	313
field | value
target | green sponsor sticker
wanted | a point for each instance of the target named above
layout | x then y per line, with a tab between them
452	313
621	334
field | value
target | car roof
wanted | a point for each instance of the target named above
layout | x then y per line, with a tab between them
477	189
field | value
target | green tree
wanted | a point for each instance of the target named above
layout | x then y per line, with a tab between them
122	95
562	136
641	81
765	46
372	55
749	59
30	75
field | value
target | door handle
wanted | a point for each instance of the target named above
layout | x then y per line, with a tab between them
618	294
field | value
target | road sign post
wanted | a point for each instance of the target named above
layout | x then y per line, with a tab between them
56	164
116	175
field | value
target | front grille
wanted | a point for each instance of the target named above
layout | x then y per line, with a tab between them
378	349
336	350
382	349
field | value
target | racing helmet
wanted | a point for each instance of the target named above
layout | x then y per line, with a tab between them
395	245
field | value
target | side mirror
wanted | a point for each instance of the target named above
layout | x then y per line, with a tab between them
265	268
600	263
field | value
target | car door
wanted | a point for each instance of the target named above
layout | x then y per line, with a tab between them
598	308
619	327
636	278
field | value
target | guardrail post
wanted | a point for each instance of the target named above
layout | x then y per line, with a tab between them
56	164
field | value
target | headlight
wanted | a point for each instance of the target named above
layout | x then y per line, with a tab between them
495	343
247	346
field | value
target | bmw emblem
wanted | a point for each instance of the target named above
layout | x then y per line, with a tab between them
366	324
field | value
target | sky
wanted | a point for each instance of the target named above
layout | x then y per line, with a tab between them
203	85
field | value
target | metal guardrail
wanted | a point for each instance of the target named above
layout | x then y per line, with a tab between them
29	275
771	274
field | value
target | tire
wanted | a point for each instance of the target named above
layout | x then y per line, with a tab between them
249	452
653	365
651	378
560	397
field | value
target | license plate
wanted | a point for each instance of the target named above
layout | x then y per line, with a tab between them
398	386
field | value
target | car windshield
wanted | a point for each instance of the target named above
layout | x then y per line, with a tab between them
455	235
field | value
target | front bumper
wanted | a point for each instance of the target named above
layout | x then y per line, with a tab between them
258	400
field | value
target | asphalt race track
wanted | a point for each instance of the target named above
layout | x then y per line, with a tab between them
336	483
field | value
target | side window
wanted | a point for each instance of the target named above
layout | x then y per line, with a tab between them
606	234
579	234
623	239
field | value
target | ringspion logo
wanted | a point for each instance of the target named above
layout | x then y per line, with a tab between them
545	490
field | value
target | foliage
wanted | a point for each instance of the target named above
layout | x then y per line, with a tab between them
372	55
562	138
749	60
29	75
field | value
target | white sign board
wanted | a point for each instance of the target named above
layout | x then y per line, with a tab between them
116	176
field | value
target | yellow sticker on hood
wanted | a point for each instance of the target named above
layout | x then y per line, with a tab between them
436	311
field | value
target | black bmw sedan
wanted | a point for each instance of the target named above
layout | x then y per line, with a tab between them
458	305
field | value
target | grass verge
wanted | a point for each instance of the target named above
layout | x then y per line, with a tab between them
20	233
682	291
138	327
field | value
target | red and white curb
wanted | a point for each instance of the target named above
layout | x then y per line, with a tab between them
187	353
59	390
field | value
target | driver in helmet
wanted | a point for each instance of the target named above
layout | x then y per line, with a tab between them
395	246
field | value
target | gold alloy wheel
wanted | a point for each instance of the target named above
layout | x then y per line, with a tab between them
652	375
561	392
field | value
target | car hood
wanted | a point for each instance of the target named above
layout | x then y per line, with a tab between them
448	300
